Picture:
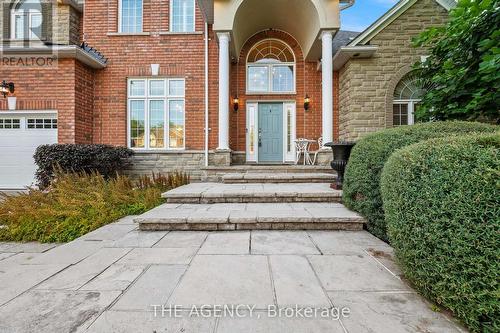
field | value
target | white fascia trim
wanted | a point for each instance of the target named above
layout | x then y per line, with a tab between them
61	51
29	112
347	52
447	4
389	17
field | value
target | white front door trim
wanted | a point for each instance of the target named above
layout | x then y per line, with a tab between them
252	130
224	40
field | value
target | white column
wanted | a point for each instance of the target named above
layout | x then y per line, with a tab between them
224	40
327	85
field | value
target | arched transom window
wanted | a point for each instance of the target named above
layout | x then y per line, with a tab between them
407	97
271	68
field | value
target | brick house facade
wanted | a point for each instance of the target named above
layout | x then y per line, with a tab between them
106	90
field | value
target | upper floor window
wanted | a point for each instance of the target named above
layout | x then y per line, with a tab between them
130	16
26	20
182	15
271	68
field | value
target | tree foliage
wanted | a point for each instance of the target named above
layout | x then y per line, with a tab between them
463	64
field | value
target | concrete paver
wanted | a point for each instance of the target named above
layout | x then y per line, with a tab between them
110	281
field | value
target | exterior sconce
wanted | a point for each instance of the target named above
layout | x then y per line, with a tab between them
6	88
236	103
307	102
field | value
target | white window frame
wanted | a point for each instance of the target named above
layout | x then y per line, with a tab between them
30	13
53	125
171	21
120	20
147	98
411	108
270	78
270	66
12	119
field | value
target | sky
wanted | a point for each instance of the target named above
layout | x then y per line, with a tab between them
364	13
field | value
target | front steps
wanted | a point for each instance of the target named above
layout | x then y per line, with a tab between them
216	174
255	197
292	177
210	193
251	216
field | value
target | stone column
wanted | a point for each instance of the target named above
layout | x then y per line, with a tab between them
224	40
327	85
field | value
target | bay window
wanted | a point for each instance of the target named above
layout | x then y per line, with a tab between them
156	113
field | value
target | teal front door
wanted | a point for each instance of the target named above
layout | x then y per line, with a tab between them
271	132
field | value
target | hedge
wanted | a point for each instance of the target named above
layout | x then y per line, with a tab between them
442	205
361	190
107	160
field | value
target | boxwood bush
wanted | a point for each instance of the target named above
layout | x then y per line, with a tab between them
107	160
442	205
361	190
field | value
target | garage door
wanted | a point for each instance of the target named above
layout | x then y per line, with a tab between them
20	135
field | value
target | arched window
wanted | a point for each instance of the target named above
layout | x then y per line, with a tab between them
407	97
26	20
271	68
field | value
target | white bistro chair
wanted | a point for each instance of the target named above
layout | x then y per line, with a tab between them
320	146
301	148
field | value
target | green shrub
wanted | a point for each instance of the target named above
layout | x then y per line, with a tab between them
107	160
442	205
78	203
361	190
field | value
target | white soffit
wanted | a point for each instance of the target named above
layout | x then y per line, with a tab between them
347	52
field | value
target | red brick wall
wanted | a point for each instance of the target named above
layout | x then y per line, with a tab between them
84	103
93	104
179	56
54	88
308	81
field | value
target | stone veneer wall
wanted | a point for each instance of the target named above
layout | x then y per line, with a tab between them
191	161
67	25
367	85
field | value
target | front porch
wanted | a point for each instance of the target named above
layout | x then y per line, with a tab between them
275	77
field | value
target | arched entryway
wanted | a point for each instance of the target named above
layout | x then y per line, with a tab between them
266	80
312	25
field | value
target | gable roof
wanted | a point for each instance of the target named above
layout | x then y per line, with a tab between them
392	14
342	38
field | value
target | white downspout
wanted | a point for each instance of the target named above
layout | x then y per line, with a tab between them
206	94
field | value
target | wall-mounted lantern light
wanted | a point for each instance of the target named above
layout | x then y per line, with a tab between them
307	102
236	103
6	88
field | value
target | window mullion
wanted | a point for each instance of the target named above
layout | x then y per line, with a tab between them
167	122
147	124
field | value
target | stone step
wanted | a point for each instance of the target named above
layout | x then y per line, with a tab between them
293	177
215	174
206	193
251	216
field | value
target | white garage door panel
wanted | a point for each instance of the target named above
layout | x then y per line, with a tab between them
17	146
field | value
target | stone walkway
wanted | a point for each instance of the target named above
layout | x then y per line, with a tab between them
113	279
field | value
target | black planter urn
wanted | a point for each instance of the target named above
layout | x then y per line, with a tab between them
341	152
